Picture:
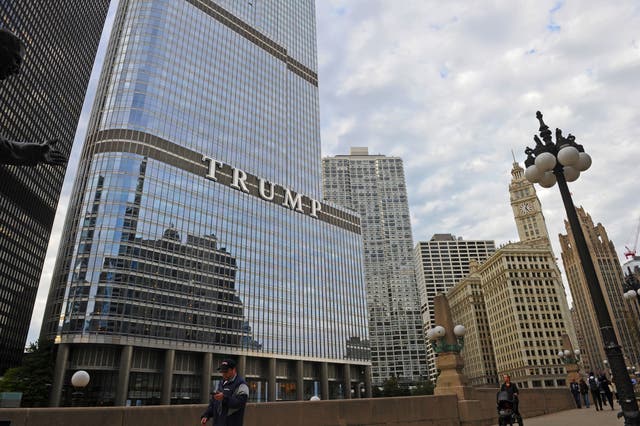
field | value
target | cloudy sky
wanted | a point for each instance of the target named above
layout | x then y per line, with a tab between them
453	87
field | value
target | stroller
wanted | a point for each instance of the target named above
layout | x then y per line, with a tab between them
506	414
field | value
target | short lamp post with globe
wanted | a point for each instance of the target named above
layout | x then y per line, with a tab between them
571	361
562	162
569	357
447	342
439	344
79	381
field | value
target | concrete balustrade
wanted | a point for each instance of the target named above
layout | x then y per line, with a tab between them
443	410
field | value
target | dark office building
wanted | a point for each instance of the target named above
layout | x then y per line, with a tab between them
42	102
196	231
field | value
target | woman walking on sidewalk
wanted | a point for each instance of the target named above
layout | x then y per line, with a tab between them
584	392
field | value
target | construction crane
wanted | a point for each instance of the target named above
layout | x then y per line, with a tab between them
631	252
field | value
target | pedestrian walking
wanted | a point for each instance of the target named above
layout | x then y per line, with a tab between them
584	392
574	387
614	390
605	390
229	399
512	390
594	388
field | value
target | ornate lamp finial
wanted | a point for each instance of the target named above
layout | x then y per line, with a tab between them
545	133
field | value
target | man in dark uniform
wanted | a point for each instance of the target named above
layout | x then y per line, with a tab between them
229	399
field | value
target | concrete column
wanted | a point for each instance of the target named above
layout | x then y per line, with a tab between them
205	384
346	375
324	380
367	381
167	376
122	390
242	365
300	380
271	385
58	374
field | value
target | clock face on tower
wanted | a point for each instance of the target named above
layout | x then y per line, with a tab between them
526	208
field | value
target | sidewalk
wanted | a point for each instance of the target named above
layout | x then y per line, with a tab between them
581	417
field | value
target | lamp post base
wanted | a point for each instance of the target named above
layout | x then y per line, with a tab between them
451	380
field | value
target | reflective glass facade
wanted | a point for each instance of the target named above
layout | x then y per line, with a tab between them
42	102
374	186
195	226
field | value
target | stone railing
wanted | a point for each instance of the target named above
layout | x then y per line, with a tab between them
443	410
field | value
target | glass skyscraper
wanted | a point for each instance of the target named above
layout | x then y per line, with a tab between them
196	232
374	186
42	102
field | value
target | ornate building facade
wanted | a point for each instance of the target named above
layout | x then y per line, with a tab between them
611	279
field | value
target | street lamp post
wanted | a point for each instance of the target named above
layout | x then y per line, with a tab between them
569	357
436	336
562	162
631	286
79	380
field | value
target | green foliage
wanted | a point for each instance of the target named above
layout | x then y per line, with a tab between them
34	377
423	388
391	387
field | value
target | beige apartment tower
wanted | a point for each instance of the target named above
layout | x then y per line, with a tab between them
526	307
468	308
610	278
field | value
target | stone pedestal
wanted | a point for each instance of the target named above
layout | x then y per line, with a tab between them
451	380
573	372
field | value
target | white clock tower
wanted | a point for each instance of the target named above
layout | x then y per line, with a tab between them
527	210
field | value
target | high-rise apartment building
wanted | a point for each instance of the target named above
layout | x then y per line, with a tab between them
440	264
466	301
611	279
374	186
42	102
196	232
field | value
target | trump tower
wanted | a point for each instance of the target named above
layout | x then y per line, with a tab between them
196	230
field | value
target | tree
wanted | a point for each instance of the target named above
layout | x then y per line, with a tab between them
34	377
424	388
391	387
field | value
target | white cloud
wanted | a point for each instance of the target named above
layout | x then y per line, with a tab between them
453	87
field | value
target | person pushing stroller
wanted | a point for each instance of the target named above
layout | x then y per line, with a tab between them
507	401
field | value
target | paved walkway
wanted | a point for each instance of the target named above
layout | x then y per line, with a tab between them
581	417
